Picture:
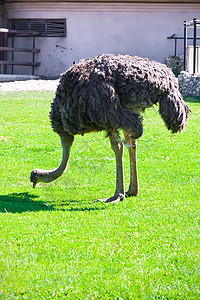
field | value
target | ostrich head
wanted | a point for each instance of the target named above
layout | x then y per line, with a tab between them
35	177
38	175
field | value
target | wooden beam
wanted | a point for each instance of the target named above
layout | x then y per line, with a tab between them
19	63
109	1
19	49
12	31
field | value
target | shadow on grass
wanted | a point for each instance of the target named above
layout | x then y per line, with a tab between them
78	205
21	202
192	99
24	202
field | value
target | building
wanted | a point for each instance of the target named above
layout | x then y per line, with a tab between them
70	30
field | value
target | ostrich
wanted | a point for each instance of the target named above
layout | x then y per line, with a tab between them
108	93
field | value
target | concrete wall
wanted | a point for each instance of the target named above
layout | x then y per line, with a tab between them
96	28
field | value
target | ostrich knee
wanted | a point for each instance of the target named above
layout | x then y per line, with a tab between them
39	175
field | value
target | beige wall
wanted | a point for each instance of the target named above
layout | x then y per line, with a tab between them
96	28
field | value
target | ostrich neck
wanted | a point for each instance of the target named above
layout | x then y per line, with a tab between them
50	175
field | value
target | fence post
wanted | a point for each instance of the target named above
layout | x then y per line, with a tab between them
185	44
194	45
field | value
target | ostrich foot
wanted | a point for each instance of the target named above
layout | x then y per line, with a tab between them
132	193
114	199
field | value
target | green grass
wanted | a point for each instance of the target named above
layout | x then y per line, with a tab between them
57	243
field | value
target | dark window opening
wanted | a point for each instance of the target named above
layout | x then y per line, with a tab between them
45	27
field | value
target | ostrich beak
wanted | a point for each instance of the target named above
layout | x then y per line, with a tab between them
33	180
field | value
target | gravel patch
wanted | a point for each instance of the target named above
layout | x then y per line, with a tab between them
29	85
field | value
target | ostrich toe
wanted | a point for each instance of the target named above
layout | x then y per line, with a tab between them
114	199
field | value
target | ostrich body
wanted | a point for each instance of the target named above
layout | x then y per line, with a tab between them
108	93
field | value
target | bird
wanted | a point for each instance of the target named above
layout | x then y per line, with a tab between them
109	93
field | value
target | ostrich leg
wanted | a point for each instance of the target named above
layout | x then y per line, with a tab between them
117	147
132	148
38	175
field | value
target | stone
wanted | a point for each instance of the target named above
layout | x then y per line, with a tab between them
189	84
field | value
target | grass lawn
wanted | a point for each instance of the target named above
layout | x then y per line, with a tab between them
57	243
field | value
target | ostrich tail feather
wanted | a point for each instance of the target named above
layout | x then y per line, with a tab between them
174	112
